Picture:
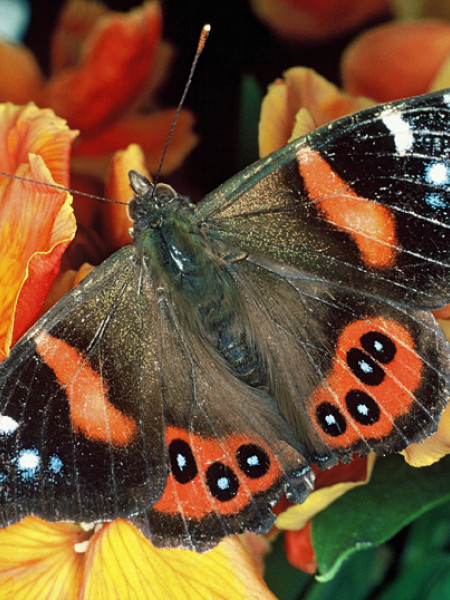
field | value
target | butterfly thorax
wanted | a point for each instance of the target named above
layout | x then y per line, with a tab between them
191	269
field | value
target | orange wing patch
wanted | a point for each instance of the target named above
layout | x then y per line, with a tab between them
375	373
91	412
208	475
371	225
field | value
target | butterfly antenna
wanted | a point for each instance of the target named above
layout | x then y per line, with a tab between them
201	44
61	188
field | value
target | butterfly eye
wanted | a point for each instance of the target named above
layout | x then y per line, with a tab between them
222	482
379	346
182	461
331	419
365	369
253	461
362	407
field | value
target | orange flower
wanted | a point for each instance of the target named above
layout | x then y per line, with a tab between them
36	223
398	60
104	67
64	560
316	20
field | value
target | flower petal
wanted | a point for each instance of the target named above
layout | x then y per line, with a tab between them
313	20
21	79
115	216
150	132
433	448
38	560
76	21
396	60
118	60
299	549
36	225
300	102
122	563
297	516
29	129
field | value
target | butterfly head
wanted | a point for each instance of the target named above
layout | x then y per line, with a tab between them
152	204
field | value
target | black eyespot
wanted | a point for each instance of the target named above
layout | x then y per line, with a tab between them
253	460
182	461
331	419
364	367
378	345
222	482
362	407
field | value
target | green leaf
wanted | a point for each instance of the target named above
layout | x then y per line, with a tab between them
284	580
370	515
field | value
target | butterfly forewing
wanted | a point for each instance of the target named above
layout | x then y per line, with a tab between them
362	202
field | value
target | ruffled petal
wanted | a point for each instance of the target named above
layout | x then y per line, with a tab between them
345	478
36	226
39	560
117	61
396	60
300	102
122	563
29	129
149	132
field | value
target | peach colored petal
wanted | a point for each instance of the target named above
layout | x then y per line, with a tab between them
396	60
76	21
301	101
29	129
296	517
442	313
150	132
115	216
121	563
433	448
314	20
36	225
118	60
299	549
21	79
38	560
442	78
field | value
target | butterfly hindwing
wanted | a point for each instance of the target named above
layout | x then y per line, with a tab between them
351	373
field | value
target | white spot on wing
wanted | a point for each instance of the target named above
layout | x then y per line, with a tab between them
7	425
400	129
28	462
223	483
437	174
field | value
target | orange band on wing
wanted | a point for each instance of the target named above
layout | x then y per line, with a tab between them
371	225
393	395
91	412
193	499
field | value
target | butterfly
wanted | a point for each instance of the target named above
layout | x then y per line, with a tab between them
192	378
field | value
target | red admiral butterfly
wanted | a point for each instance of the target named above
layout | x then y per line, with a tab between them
190	379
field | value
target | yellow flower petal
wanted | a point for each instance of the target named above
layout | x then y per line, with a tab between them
38	560
433	448
296	517
122	563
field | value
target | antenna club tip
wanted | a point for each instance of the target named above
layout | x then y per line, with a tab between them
203	36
